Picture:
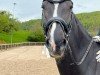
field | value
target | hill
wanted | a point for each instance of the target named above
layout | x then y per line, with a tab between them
91	21
32	30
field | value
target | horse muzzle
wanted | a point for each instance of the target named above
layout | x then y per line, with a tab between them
58	52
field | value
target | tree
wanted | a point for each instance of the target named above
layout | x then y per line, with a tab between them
7	22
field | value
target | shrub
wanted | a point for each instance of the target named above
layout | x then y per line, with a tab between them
36	37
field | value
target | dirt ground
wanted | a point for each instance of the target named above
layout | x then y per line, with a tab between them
27	60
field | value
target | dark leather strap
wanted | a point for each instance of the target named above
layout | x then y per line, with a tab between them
56	1
65	26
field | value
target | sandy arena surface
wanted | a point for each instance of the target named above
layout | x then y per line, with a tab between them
27	60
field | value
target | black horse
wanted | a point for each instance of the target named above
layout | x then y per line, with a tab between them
67	41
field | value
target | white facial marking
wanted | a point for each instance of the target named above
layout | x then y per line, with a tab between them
52	35
53	27
55	10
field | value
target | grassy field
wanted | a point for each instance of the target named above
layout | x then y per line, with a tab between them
18	36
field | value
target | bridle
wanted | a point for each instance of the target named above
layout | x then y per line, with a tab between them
67	28
84	56
64	25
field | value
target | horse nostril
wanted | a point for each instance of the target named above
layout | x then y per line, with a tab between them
47	41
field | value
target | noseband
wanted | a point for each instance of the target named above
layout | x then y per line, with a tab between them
66	27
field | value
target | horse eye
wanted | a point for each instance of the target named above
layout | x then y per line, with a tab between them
71	7
42	6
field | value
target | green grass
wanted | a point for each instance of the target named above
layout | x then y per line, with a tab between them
5	37
18	36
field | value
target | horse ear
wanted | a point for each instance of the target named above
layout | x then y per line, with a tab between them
70	3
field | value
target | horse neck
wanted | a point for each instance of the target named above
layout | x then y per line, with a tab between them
80	38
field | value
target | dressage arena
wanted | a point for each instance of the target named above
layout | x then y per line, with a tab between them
26	60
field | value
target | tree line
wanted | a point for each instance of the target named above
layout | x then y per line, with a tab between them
32	30
8	22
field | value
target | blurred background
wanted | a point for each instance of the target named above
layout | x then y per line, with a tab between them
20	21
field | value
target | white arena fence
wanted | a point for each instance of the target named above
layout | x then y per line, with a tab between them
7	46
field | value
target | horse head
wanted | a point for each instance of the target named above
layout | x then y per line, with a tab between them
56	16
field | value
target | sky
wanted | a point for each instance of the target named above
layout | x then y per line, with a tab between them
25	10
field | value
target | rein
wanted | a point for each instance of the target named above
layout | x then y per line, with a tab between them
70	50
84	56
